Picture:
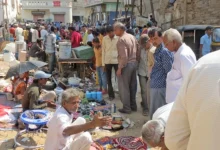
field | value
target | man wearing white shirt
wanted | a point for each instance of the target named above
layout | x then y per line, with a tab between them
18	32
43	33
153	130
194	122
110	57
90	36
50	48
66	134
184	59
35	35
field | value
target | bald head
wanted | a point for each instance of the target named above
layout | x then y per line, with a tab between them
119	28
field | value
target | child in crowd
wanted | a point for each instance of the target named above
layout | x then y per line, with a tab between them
100	69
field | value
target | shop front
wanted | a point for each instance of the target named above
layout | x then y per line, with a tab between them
37	15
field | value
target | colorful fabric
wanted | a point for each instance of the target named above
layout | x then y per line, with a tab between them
130	143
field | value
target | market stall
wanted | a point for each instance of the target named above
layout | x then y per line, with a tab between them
81	57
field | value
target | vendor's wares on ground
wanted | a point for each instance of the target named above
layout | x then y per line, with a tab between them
26	130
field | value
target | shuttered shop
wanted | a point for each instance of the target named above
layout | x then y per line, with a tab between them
59	18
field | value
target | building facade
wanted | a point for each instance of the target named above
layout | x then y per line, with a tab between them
103	11
186	12
49	10
10	11
78	10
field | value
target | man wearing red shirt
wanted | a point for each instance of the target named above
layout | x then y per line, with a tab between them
12	30
75	38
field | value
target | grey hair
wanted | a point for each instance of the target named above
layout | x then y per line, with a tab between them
152	131
68	94
120	25
173	35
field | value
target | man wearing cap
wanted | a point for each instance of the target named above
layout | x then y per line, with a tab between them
32	94
36	50
144	69
206	41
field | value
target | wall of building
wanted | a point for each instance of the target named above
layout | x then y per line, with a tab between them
78	9
11	10
64	7
197	12
146	8
27	14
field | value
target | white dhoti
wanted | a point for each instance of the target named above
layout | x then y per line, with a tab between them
81	141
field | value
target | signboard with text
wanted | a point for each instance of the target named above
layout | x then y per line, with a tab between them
56	3
92	2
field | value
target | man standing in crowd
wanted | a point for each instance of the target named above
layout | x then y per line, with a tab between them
206	41
66	134
50	48
12	31
162	65
18	32
146	57
90	35
43	33
75	37
109	57
26	33
127	65
184	59
194	122
85	35
35	34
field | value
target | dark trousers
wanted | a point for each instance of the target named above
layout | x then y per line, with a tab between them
108	68
143	84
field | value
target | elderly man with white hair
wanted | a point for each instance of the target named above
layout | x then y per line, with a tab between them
184	59
66	134
153	130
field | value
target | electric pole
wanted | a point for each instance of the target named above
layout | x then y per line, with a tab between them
152	8
141	11
132	12
116	13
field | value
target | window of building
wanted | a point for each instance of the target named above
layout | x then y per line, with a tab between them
75	0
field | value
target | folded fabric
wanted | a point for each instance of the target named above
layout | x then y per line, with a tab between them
130	143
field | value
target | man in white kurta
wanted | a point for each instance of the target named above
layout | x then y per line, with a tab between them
66	134
194	122
184	59
153	130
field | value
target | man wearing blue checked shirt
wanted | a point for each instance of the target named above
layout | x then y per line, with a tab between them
163	63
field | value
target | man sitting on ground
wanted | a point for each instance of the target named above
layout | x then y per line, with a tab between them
153	130
66	134
31	98
36	52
